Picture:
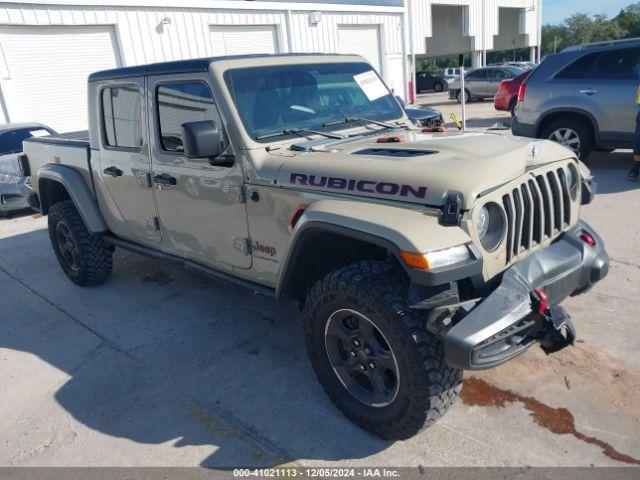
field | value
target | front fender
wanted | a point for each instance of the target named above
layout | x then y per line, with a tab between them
393	228
78	191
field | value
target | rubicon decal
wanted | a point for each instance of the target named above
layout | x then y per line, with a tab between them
364	186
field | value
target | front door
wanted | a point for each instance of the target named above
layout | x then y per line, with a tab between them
201	207
122	177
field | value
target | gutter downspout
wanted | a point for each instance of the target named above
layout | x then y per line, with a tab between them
405	69
412	55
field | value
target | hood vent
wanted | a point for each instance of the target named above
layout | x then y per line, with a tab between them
394	152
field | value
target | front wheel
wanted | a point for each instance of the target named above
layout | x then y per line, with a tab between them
438	87
85	258
373	356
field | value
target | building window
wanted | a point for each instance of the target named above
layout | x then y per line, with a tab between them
122	116
180	103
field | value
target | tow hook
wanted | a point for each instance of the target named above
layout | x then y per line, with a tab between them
561	335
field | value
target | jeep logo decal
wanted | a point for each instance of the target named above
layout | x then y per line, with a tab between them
364	186
258	247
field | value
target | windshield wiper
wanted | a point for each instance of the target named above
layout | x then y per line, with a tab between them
360	120
297	131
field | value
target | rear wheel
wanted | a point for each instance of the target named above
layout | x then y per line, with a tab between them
373	355
572	134
85	258
467	96
512	107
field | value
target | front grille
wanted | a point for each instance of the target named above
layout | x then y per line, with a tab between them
538	209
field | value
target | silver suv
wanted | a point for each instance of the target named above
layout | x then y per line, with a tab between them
583	97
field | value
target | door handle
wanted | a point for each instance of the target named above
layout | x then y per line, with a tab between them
165	180
113	172
589	91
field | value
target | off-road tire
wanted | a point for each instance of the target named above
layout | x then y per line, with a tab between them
427	386
583	131
95	257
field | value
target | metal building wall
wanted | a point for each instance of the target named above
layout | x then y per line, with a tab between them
143	39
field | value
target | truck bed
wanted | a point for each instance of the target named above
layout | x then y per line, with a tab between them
68	149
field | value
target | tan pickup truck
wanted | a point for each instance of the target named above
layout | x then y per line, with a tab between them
414	254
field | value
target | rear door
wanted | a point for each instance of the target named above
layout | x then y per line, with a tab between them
124	164
476	82
613	88
201	207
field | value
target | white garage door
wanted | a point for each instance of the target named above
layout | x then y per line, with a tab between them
244	39
362	40
46	70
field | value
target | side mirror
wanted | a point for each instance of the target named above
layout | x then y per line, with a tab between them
202	140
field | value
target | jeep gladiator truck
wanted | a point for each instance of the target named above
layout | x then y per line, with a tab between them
414	254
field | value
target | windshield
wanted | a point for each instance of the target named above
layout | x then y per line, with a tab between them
11	141
293	97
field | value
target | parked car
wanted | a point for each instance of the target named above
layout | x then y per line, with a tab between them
483	82
422	116
506	97
583	97
524	65
12	178
412	254
426	81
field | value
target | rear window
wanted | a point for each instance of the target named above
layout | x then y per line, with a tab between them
122	117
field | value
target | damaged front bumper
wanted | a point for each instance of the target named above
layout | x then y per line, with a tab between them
524	309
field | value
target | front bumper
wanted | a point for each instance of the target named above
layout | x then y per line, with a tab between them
511	319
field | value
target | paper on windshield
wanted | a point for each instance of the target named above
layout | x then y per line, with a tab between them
371	85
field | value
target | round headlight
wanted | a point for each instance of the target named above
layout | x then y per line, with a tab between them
491	226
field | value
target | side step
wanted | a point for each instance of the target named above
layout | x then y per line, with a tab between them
216	274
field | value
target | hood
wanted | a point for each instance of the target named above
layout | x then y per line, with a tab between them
421	170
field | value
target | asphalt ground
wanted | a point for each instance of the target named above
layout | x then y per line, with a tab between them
161	366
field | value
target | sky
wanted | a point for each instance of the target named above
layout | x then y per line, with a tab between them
555	11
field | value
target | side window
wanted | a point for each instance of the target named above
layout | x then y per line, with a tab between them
502	75
618	65
580	68
478	75
121	113
180	103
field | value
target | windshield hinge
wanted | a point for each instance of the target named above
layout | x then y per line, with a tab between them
452	214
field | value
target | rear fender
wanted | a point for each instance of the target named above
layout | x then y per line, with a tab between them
77	189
